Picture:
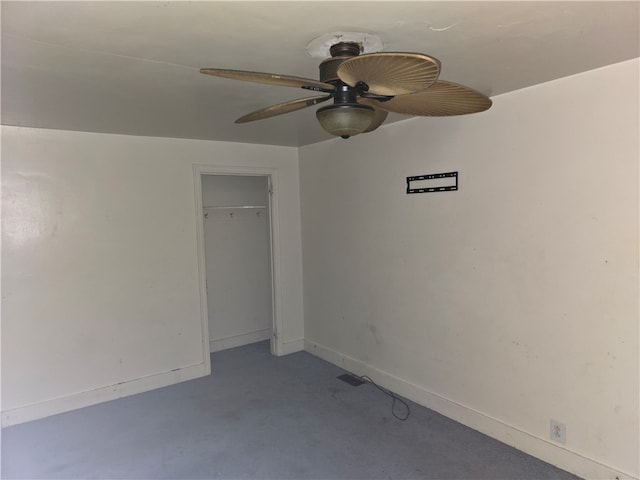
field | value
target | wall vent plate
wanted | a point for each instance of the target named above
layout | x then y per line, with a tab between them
351	379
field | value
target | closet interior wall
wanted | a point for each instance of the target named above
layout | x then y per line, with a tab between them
238	259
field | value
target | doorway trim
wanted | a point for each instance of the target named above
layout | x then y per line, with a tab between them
277	344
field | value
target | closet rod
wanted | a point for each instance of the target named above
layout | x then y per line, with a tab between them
237	206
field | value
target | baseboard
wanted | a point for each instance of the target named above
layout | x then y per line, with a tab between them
533	445
293	346
112	392
239	340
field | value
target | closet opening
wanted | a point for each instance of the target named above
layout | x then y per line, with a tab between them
237	241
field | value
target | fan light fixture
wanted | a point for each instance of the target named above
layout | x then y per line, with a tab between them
346	119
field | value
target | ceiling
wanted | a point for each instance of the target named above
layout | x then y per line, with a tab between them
133	67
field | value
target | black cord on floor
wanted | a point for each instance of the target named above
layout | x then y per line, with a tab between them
393	396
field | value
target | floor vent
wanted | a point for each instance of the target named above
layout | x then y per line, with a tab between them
351	379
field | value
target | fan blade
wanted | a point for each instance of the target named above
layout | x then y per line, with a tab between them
281	108
441	100
379	117
269	78
390	73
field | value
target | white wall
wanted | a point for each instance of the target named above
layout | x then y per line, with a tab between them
238	259
509	302
100	279
233	190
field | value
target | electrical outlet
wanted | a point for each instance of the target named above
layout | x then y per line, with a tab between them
558	431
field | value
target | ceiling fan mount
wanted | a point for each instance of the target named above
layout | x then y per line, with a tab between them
365	88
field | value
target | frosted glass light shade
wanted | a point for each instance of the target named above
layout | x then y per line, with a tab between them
345	120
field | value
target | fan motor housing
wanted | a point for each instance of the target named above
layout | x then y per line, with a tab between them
340	52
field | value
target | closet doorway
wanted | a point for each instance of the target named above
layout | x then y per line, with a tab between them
236	219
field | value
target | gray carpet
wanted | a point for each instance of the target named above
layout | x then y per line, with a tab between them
264	417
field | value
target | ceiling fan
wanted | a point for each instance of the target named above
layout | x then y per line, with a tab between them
364	88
